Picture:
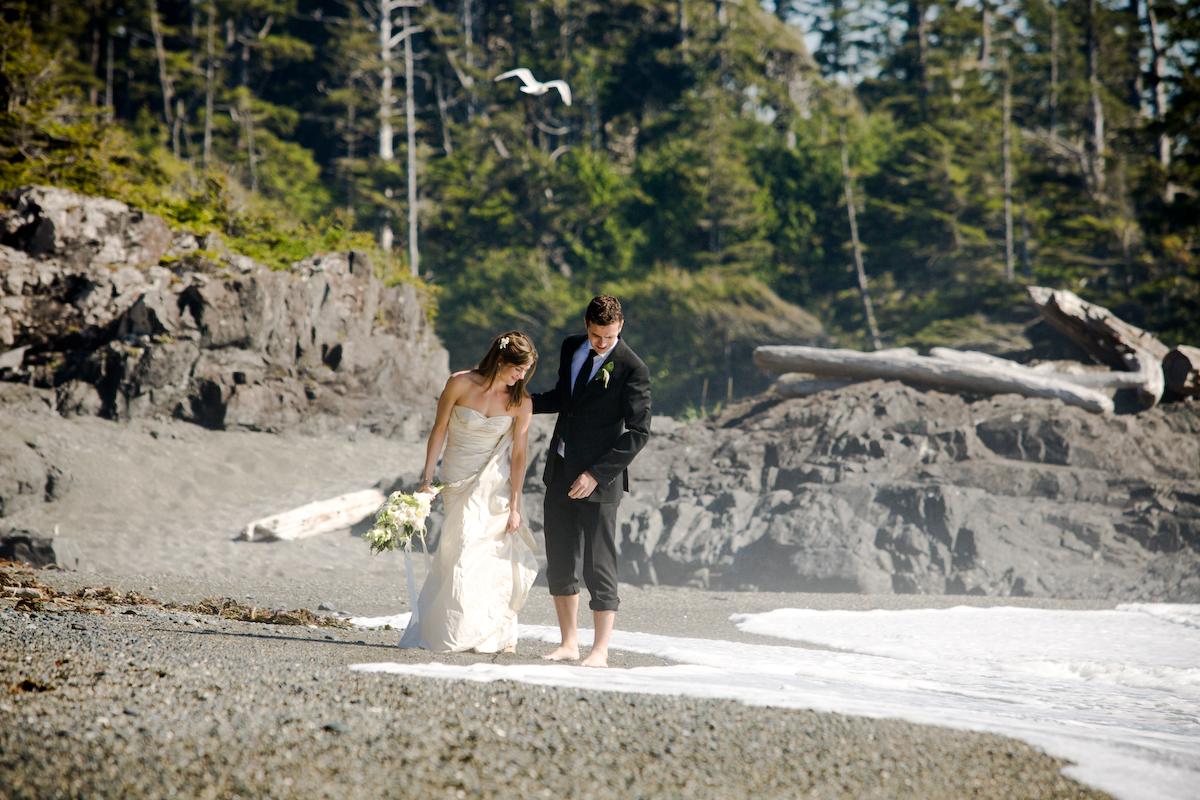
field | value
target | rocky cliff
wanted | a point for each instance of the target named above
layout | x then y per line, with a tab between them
124	318
875	487
879	487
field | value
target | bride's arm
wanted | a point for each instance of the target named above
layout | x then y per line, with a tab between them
517	473
437	437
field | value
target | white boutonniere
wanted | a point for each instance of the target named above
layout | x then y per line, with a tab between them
604	373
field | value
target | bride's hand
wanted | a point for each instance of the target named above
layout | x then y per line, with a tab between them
426	487
514	521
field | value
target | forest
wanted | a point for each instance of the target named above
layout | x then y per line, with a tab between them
853	173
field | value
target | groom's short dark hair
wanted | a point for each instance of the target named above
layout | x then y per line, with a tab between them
603	310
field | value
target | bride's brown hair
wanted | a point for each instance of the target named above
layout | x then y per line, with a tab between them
513	348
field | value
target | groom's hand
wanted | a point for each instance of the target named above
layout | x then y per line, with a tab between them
583	486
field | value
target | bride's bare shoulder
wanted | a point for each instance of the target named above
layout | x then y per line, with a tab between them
458	386
468	377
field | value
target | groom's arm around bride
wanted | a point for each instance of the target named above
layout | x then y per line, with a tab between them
602	399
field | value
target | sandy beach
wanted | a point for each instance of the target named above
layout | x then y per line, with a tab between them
152	700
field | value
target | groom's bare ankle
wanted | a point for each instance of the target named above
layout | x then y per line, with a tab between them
563	653
596	658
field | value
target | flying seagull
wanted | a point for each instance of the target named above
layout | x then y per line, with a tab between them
536	87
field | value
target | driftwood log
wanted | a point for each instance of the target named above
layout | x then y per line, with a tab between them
1181	370
1107	338
988	375
316	518
13	358
1094	380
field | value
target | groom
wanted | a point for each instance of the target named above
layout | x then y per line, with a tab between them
603	405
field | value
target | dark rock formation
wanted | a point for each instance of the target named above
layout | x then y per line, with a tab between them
26	547
882	488
224	343
29	547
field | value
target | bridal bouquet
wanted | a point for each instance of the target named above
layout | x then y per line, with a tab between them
398	520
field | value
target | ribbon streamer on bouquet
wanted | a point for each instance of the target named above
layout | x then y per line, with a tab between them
411	580
412	588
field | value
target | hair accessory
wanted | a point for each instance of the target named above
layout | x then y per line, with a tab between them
504	343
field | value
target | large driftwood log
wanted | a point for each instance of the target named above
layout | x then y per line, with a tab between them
942	373
1095	380
316	518
1181	369
1109	339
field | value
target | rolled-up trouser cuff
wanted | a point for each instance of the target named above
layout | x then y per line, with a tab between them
604	605
575	527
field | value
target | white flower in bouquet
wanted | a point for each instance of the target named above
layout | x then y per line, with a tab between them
400	519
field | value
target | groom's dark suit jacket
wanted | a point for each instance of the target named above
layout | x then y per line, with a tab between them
603	428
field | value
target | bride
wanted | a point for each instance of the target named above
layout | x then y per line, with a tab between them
484	564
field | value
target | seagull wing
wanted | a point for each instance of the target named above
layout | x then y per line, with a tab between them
563	89
520	72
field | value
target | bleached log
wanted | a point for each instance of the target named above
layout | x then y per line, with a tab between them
13	359
316	518
1096	380
973	357
940	373
1181	369
1109	339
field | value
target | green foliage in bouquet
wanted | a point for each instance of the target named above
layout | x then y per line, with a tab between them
399	521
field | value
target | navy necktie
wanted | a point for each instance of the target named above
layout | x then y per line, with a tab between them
585	372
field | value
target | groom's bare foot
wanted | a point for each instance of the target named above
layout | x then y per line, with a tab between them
596	658
563	653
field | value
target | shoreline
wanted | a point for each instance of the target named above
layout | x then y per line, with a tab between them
666	610
148	701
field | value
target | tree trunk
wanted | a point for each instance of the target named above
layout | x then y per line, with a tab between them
1093	57
247	114
108	81
93	94
385	83
683	30
351	139
1008	174
1160	96
177	127
918	34
858	260
985	48
1026	261
1105	337
439	93
209	76
1133	48
410	121
468	17
1054	45
163	78
386	236
963	375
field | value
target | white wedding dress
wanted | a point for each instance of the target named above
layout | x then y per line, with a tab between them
480	575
